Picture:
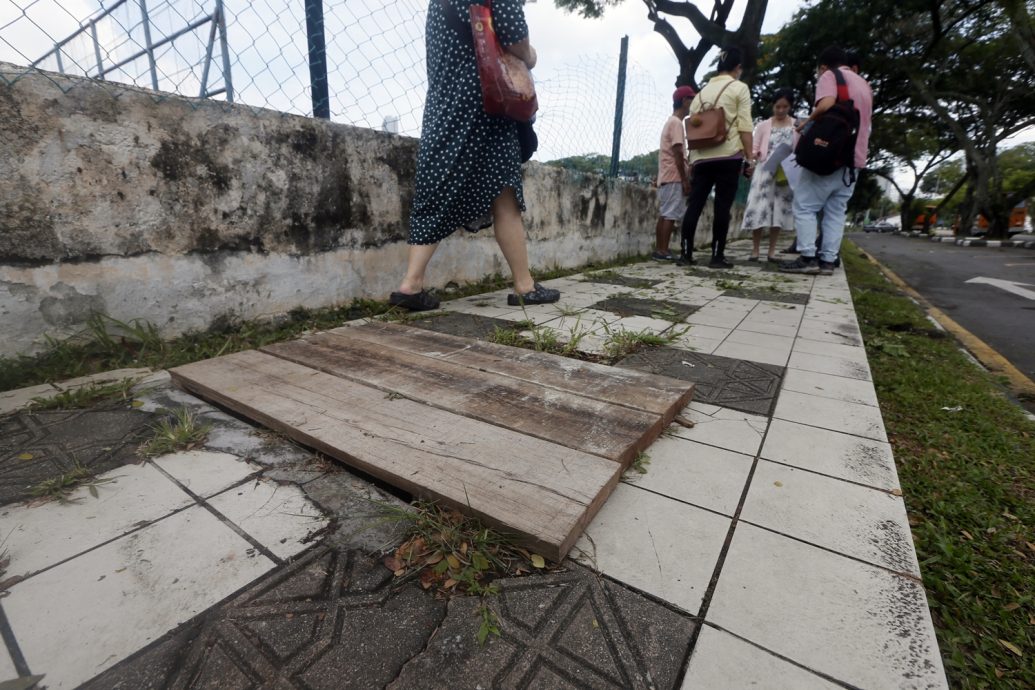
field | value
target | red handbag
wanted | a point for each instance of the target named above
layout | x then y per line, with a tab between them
507	87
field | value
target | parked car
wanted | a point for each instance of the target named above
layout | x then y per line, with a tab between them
879	226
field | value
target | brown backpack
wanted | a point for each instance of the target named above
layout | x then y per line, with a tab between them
707	128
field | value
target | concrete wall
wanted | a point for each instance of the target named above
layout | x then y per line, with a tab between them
183	211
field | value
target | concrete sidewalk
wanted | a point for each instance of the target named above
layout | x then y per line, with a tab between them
767	546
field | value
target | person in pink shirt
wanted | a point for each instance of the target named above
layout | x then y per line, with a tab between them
829	193
673	182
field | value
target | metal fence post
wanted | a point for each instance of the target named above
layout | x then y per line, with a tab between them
317	58
220	19
149	45
97	50
616	146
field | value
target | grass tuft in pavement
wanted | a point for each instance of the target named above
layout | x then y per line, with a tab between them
59	488
181	432
84	396
966	461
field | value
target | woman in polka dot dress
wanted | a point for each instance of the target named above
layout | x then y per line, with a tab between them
469	164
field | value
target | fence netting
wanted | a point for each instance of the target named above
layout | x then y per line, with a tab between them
256	53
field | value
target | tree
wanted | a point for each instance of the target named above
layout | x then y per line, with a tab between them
928	63
711	29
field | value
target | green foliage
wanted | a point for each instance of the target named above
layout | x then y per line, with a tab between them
181	432
84	396
968	478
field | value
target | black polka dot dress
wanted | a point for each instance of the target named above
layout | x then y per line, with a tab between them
466	158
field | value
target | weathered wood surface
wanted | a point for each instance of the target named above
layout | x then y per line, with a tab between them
543	492
639	390
586	424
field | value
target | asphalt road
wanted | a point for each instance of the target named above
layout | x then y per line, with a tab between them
940	271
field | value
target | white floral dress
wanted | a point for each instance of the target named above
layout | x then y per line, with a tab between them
768	203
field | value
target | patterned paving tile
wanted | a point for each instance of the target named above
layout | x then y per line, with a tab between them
41	445
734	383
563	630
613	278
327	617
768	295
464	325
652	308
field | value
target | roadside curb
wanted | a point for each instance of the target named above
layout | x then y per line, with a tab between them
988	357
969	241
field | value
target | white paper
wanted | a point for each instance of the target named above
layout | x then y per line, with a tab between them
776	157
792	170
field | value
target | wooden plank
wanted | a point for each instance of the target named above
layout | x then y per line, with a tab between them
627	387
614	432
542	492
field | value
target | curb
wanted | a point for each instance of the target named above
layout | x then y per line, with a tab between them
982	351
969	241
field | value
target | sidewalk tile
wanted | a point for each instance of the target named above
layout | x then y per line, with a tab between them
854	458
204	472
854	622
751	353
639	324
278	516
740	432
836	415
110	602
838	333
716	316
830	386
854	520
20	397
856	353
695	473
44	535
767	328
837	366
655	544
721	660
7	669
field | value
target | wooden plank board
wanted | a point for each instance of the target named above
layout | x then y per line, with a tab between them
543	492
627	387
593	426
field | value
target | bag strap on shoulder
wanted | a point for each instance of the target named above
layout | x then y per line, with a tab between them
842	85
715	102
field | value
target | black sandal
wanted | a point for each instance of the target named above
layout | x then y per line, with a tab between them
421	301
538	295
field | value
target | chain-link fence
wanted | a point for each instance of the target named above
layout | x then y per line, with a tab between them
257	53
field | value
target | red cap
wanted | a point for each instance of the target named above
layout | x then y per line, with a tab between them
683	92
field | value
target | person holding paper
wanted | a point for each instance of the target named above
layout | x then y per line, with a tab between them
770	200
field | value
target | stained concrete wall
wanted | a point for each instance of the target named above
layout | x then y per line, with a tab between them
184	211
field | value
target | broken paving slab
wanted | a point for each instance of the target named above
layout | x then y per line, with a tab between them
665	310
463	325
38	446
328	616
569	629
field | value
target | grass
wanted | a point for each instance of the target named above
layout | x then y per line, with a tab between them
59	488
968	477
639	466
84	396
106	343
452	554
181	432
623	342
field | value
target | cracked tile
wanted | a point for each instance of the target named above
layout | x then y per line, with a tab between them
655	544
204	472
836	366
703	475
278	516
829	386
729	429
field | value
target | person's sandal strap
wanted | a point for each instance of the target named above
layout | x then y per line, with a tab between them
538	295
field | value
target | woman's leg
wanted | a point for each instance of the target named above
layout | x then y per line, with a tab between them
416	263
756	242
510	235
774	237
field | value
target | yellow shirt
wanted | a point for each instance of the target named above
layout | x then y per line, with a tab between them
736	101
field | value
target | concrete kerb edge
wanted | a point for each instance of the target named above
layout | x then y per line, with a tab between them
984	353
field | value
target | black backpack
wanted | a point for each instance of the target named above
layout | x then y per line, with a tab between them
828	143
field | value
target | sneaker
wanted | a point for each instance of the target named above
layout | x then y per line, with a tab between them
685	261
720	263
538	295
803	264
826	268
658	256
421	301
789	250
753	258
